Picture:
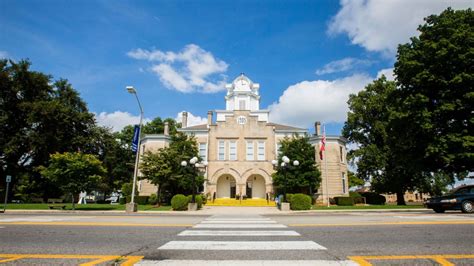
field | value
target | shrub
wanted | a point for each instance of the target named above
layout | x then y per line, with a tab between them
198	199
300	202
354	194
179	202
289	197
141	200
204	199
373	198
344	201
153	199
122	200
128	199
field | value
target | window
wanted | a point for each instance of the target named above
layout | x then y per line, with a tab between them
221	151
261	151
242	105
233	150
203	151
277	152
250	152
340	153
344	183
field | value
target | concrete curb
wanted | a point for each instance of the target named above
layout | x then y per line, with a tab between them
209	211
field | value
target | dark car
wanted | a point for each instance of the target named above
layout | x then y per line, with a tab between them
461	198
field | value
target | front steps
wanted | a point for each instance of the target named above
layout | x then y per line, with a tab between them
242	203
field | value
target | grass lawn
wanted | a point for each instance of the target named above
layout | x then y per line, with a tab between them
87	207
334	207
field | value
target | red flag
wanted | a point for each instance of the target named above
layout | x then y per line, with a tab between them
322	148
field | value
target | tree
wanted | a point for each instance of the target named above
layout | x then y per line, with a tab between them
305	178
157	168
163	167
354	181
369	125
435	74
37	117
74	172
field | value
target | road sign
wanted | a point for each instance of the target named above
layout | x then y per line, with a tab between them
9	178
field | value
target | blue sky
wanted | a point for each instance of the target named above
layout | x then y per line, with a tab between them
308	56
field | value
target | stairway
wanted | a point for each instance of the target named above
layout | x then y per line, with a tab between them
243	203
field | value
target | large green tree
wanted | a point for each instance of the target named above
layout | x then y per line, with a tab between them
369	125
304	178
38	117
435	75
74	172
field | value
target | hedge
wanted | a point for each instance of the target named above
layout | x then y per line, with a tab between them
153	199
373	198
289	196
198	199
179	202
300	202
141	200
344	201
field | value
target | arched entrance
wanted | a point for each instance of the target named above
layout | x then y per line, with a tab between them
226	187
255	187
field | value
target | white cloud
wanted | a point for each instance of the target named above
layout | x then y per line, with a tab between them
380	26
192	119
118	120
388	72
342	65
321	100
4	55
191	69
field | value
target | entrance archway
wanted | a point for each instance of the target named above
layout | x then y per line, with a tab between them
226	187
255	187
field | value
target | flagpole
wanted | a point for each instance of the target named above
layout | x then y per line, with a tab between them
326	166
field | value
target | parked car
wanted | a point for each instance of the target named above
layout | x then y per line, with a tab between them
461	198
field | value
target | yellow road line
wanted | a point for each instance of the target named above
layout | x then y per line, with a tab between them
385	223
96	224
441	259
128	260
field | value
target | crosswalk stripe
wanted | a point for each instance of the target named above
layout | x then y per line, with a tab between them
242	245
236	233
239	226
238	219
248	262
238	222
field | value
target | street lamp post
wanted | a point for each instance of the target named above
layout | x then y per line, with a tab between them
285	166
193	164
132	206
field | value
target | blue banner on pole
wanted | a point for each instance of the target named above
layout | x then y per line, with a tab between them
136	136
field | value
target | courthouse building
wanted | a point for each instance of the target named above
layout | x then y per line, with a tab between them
240	142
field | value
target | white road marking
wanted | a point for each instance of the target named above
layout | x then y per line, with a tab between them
238	222
248	262
236	233
242	245
238	219
239	226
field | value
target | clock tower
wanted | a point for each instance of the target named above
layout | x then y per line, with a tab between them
242	94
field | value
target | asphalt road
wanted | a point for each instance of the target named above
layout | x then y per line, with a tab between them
339	238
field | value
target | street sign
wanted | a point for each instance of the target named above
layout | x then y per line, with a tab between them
9	179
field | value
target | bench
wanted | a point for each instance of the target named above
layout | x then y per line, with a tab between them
56	204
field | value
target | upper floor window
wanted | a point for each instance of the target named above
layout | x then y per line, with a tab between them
203	151
341	153
221	151
242	105
278	152
250	151
261	151
233	150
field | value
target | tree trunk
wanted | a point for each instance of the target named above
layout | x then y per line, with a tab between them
158	196
401	198
73	202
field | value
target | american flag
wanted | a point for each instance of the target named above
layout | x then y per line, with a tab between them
322	148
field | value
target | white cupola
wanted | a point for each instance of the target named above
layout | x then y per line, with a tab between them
242	94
